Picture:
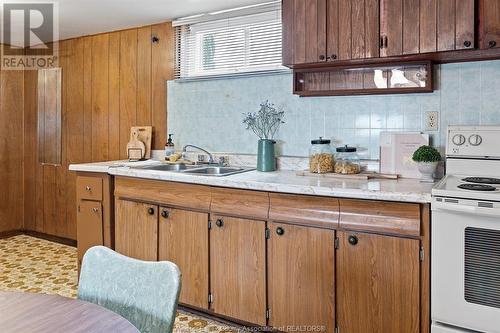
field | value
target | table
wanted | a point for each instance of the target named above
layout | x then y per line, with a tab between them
39	313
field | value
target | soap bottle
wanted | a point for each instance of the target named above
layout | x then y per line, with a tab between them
169	146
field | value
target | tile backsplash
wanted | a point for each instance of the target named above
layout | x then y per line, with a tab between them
209	113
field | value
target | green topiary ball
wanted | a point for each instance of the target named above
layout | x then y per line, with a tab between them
426	154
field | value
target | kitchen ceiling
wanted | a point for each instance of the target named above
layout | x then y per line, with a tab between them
86	17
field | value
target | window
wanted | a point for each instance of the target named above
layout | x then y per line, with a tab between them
243	41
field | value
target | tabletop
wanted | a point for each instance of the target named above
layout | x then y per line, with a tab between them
40	313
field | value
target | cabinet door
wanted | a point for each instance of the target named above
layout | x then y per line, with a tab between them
378	284
184	241
301	277
304	31
238	269
358	28
455	24
136	230
490	22
89	230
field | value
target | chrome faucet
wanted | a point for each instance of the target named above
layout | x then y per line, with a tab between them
210	156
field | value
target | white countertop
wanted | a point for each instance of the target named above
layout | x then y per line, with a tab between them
403	190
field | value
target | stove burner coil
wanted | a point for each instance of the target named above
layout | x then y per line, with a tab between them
477	187
482	180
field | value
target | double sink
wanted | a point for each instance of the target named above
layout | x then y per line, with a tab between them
199	170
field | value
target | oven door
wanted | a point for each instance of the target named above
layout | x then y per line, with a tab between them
466	264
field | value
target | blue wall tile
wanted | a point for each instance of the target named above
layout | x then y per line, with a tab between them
209	113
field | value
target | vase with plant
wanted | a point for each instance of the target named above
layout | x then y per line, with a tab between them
427	159
265	123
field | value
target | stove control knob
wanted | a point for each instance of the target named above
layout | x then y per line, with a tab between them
475	140
459	139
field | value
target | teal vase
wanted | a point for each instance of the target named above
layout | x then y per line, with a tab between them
266	158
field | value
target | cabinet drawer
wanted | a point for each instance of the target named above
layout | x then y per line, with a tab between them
89	226
240	203
380	217
304	210
89	188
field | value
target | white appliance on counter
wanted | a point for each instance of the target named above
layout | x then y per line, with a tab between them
465	283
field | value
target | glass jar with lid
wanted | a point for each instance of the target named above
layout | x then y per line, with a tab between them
347	161
321	156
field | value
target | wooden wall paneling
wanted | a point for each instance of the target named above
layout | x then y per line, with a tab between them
411	27
128	86
116	147
446	25
11	154
465	24
428	26
73	74
100	97
87	99
144	112
162	69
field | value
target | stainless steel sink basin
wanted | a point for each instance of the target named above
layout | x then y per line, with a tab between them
168	167
216	171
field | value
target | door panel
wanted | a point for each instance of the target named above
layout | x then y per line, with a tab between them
490	15
301	287
378	284
428	26
391	27
465	22
89	226
136	230
184	241
238	269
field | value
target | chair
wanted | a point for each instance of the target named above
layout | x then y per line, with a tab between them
145	293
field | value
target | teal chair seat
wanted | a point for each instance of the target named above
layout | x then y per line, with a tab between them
145	293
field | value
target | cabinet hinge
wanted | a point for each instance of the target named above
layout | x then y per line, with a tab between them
79	209
422	254
209	225
210	298
268	233
337	330
268	314
337	243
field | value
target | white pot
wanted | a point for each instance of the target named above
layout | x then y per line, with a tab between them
427	170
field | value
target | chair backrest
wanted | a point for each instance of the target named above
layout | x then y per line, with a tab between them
145	293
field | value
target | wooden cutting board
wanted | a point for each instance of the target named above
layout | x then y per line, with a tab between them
136	149
360	176
145	135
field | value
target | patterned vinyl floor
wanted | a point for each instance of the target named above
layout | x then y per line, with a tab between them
29	264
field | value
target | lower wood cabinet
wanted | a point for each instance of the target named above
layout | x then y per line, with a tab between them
183	240
301	278
238	268
136	230
89	228
378	284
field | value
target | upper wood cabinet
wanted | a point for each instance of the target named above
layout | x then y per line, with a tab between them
301	277
329	30
490	23
238	268
183	240
378	284
136	230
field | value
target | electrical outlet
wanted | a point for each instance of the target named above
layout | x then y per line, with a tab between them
432	121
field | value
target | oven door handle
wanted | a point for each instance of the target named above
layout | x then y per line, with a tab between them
494	212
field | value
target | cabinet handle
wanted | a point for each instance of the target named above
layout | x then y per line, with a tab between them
492	43
280	231
95	210
383	42
165	214
467	43
219	223
88	188
386	42
151	211
353	240
322	57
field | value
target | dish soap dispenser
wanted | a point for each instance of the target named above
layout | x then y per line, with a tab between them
169	146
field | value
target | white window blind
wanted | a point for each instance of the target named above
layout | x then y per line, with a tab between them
239	44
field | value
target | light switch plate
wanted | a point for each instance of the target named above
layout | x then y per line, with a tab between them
431	121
